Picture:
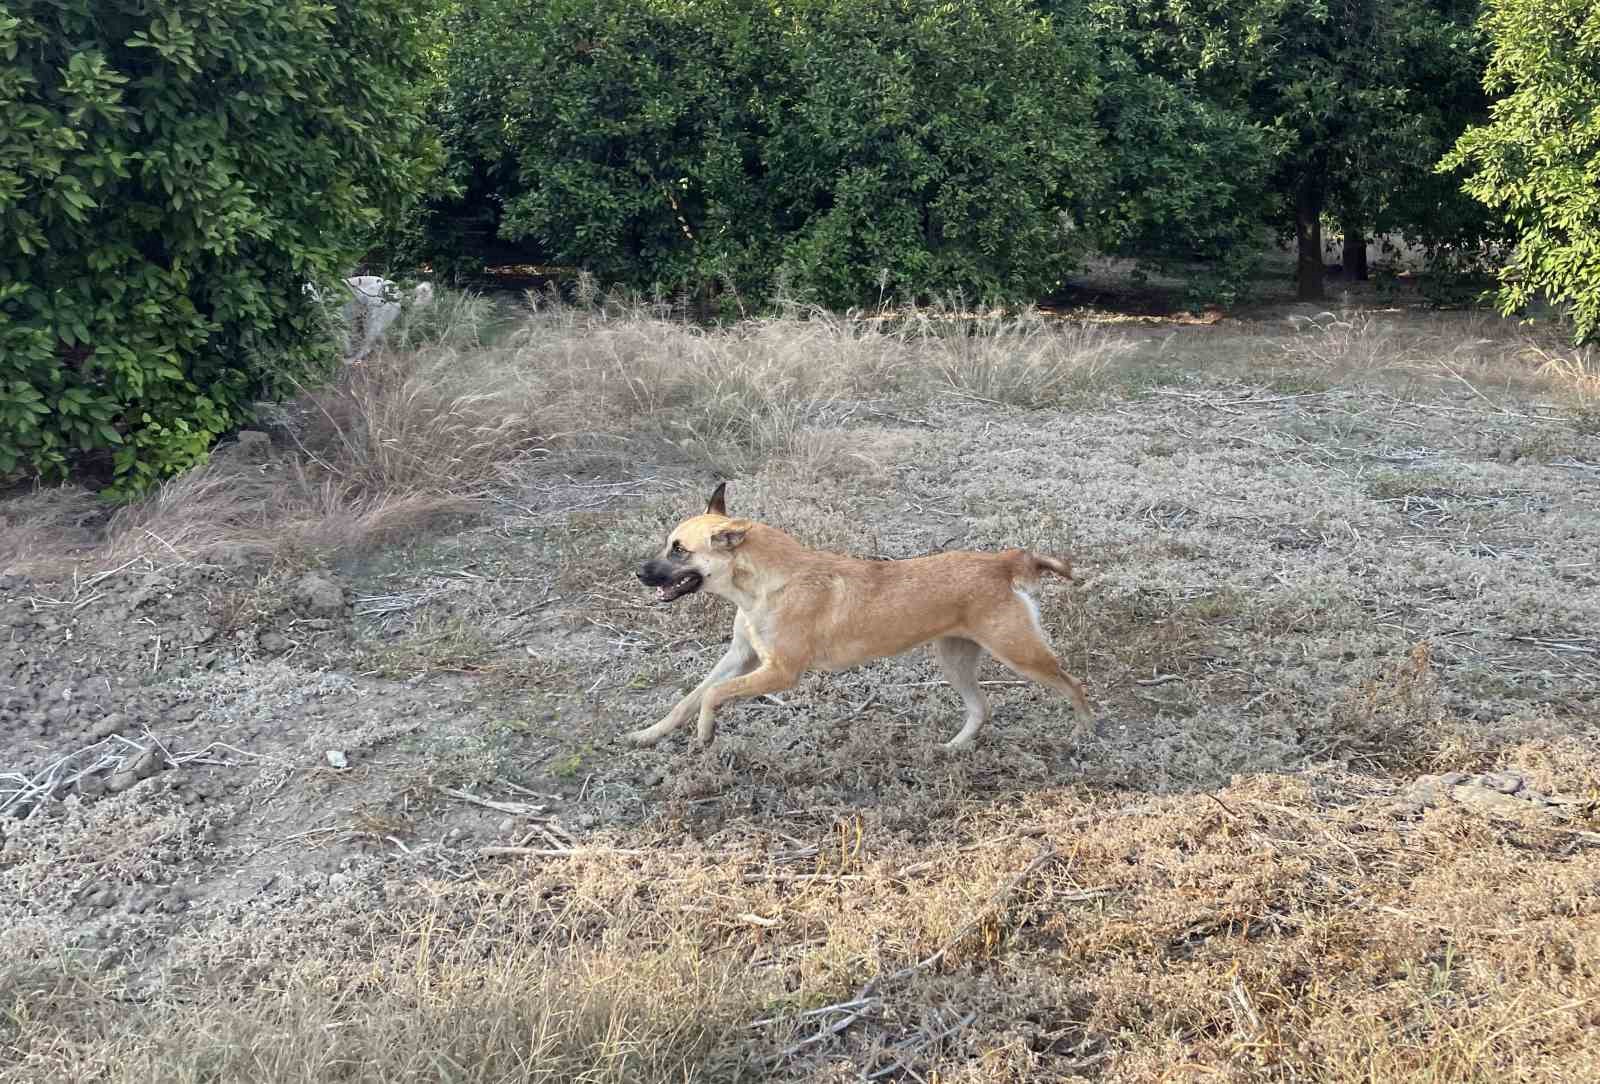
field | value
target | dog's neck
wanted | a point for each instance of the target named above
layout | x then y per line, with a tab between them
758	566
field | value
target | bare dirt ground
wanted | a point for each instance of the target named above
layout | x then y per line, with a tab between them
311	765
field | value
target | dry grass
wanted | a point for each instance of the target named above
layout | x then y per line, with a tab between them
534	1013
725	395
424	422
1025	360
1349	341
427	426
1284	929
1578	373
1313	566
437	424
1472	351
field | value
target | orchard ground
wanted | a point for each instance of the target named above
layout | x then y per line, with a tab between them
312	765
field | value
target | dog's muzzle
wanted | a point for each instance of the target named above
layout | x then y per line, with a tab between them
670	582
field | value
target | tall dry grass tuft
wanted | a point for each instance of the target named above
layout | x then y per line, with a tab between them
1488	357
437	420
457	319
1359	342
731	394
754	389
392	444
1576	376
430	421
1022	360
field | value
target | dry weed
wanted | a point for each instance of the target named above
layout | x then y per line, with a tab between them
1457	351
1576	376
1578	373
1394	716
608	1013
1347	341
732	395
48	524
1023	360
1282	929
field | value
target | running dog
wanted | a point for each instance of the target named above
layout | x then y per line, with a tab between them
802	609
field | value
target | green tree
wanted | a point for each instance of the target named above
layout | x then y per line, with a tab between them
171	175
1437	58
1536	163
1356	99
1186	170
847	149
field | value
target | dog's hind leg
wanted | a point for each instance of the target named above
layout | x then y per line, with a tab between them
1017	640
960	657
739	659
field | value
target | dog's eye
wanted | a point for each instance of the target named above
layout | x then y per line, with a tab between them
677	549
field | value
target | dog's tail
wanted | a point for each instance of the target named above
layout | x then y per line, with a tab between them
1036	563
1061	566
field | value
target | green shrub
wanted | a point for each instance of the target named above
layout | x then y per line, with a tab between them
1537	161
841	150
930	149
1187	177
170	176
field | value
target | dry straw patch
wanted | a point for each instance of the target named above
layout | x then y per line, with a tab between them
1280	930
1578	373
1493	361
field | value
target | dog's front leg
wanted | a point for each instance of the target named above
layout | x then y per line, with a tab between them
739	659
769	677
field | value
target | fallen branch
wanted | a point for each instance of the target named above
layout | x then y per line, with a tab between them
522	809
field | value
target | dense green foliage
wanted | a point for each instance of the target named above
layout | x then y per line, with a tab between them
1186	170
171	174
836	149
846	150
1353	101
1537	161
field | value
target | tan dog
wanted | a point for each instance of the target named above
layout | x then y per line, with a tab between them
800	609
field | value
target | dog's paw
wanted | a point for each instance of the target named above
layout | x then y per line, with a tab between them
642	739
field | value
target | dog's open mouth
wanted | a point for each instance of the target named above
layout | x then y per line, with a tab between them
684	583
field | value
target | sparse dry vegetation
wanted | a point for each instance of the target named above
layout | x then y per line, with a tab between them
1319	561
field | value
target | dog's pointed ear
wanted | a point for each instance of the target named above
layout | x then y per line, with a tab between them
715	507
732	535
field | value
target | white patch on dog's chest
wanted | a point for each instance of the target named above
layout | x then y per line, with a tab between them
760	636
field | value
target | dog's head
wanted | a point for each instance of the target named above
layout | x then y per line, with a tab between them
699	553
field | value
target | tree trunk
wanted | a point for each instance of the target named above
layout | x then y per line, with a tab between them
1308	241
1355	254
